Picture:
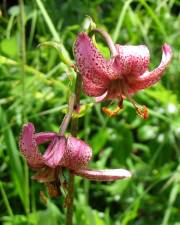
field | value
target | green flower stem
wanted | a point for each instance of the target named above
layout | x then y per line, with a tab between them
68	116
108	40
74	130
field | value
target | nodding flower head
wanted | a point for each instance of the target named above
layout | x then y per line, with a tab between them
62	152
124	74
69	152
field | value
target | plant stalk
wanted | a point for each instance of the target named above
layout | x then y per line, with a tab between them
108	40
68	116
74	130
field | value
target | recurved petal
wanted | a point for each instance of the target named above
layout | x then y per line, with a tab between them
77	155
29	147
102	97
131	60
44	137
103	175
92	66
55	152
150	78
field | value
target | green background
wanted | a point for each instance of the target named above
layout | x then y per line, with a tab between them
38	93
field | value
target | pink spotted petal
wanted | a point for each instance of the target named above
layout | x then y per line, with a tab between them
103	175
55	152
77	155
44	137
130	61
91	65
29	147
150	78
90	88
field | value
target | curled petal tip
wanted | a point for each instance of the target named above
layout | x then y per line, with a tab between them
167	53
104	175
149	78
126	173
28	146
167	48
26	137
101	97
91	65
28	127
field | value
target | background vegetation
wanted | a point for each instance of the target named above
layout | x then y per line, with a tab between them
38	93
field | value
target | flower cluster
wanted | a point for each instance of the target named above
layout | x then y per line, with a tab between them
125	73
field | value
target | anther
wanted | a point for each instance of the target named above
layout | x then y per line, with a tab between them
142	111
111	113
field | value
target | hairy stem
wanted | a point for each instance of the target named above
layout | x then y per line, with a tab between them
74	130
108	40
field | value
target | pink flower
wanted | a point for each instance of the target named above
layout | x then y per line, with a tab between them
125	73
62	152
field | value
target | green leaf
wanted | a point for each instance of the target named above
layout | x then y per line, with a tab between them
147	132
121	142
99	140
9	46
45	217
14	157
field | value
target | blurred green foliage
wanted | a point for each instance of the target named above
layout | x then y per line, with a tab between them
150	149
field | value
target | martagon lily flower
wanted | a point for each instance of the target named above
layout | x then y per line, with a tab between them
124	74
62	152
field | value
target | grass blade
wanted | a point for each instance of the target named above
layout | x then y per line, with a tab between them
14	157
120	21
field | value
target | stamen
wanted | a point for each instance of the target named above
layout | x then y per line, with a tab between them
53	189
120	104
110	112
142	111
